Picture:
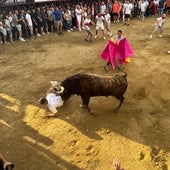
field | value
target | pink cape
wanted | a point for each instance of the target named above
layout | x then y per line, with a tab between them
120	51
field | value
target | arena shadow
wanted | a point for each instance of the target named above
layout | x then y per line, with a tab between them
23	145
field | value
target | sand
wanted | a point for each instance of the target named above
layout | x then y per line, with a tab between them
139	134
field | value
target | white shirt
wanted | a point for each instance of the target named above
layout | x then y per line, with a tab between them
53	102
28	18
78	12
87	24
160	21
1	27
102	9
107	18
117	38
143	7
128	8
99	20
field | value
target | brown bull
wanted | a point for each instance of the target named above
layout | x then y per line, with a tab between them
90	85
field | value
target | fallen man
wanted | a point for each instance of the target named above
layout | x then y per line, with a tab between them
53	99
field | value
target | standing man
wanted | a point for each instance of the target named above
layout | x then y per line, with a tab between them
107	21
118	51
78	12
159	25
17	21
29	23
58	20
99	25
116	11
161	7
127	12
40	21
35	22
2	28
50	19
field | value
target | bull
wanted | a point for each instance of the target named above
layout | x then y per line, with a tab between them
91	85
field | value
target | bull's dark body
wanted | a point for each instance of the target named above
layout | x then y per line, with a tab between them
90	85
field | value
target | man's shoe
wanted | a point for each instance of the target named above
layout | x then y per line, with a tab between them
21	39
106	68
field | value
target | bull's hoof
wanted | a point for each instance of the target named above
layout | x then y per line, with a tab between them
85	107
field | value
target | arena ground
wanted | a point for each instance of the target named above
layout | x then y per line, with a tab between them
139	134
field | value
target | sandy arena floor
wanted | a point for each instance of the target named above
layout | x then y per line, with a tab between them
139	134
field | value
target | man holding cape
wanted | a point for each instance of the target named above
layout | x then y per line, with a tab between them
117	51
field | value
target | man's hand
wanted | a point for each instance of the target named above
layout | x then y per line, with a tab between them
117	164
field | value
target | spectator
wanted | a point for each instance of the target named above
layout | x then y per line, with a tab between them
168	6
58	20
73	17
25	30
1	41
29	23
155	7
50	19
40	21
116	11
107	21
45	20
102	8
127	11
84	14
35	22
67	20
161	7
143	7
2	29
92	12
8	28
17	21
78	12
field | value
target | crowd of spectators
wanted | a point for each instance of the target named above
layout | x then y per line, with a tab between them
31	22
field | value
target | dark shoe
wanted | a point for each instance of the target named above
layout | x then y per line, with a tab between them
106	68
86	40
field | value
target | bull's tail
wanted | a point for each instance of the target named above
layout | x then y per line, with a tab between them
121	69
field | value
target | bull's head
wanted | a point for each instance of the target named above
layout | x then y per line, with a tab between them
65	94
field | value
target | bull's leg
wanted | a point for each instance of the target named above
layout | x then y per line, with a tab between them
85	102
121	99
